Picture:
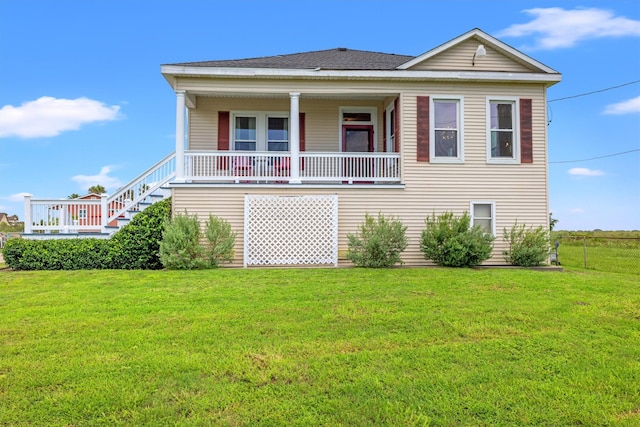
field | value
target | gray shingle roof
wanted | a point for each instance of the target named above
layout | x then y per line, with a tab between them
330	59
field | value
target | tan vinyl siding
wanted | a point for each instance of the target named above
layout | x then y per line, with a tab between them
322	119
459	58
519	190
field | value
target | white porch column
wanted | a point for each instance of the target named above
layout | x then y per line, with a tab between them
27	213
180	106
294	138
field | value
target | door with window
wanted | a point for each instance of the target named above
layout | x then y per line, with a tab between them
357	139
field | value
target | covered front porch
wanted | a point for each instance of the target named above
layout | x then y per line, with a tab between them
282	137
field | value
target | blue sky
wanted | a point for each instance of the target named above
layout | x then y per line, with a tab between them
82	100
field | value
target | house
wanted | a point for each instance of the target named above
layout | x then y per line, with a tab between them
83	216
293	150
9	220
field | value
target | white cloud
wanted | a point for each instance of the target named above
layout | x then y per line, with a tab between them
585	172
559	28
103	178
577	211
18	197
47	116
625	107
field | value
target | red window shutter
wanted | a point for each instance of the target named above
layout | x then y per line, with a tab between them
223	137
423	129
302	132
526	132
223	130
396	130
303	143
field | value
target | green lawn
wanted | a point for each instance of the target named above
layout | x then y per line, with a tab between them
320	347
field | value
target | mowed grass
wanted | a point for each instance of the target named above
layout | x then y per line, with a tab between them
612	259
320	347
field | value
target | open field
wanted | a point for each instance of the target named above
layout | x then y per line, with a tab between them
319	347
614	251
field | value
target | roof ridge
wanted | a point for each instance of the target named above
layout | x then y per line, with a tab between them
287	56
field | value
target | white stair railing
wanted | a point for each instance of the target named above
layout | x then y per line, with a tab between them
141	187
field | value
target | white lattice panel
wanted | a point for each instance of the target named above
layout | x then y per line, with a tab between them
281	230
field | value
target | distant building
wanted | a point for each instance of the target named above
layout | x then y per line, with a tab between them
8	219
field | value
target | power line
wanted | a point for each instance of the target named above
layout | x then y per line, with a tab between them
595	91
599	157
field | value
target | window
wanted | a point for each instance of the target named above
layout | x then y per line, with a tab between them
391	128
502	132
260	131
245	134
82	213
277	134
446	129
483	214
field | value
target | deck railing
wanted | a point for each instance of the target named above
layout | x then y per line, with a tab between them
94	215
257	167
65	215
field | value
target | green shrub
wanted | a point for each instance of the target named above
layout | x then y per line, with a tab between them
220	241
180	248
67	254
137	244
379	242
528	247
450	241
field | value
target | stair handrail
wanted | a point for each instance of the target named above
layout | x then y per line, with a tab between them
139	188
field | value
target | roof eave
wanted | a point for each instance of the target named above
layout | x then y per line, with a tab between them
171	72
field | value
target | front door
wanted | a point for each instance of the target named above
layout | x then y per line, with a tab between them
357	139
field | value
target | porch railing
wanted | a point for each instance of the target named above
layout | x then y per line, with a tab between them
256	166
94	215
65	215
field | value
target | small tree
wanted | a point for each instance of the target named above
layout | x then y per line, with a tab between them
379	242
180	248
552	221
450	241
97	189
527	247
220	240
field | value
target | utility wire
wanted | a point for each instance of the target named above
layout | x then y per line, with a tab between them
595	91
599	157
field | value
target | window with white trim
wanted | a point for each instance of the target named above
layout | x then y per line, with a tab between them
260	131
446	129
502	131
483	213
82	213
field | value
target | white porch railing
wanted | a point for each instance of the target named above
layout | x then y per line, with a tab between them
94	215
257	166
65	216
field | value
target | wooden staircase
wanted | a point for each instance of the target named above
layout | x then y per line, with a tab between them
76	218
